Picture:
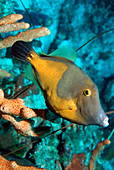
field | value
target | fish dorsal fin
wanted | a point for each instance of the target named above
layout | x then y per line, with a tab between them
41	54
63	51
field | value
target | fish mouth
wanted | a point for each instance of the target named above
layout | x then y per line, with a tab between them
105	122
102	120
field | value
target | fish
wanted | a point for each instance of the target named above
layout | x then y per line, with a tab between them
68	91
35	18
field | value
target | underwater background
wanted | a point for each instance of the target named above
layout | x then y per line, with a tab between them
71	23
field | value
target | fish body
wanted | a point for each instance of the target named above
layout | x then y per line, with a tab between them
67	89
37	18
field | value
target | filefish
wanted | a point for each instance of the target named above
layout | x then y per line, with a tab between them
68	91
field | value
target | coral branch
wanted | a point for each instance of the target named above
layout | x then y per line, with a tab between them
79	159
13	27
77	162
24	127
28	35
5	164
1	96
12	106
96	152
16	107
10	19
8	24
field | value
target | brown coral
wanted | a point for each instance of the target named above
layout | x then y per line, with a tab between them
78	162
9	107
14	26
8	24
10	165
10	19
96	152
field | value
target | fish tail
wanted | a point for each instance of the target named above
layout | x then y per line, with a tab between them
23	51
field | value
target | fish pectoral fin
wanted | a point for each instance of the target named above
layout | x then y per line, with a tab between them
29	74
41	54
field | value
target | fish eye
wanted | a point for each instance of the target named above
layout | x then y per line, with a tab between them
87	92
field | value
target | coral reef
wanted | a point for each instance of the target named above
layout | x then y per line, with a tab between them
79	159
17	107
7	7
71	23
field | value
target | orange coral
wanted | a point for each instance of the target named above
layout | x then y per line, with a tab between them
27	35
8	24
96	152
77	162
13	27
8	165
17	107
10	19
